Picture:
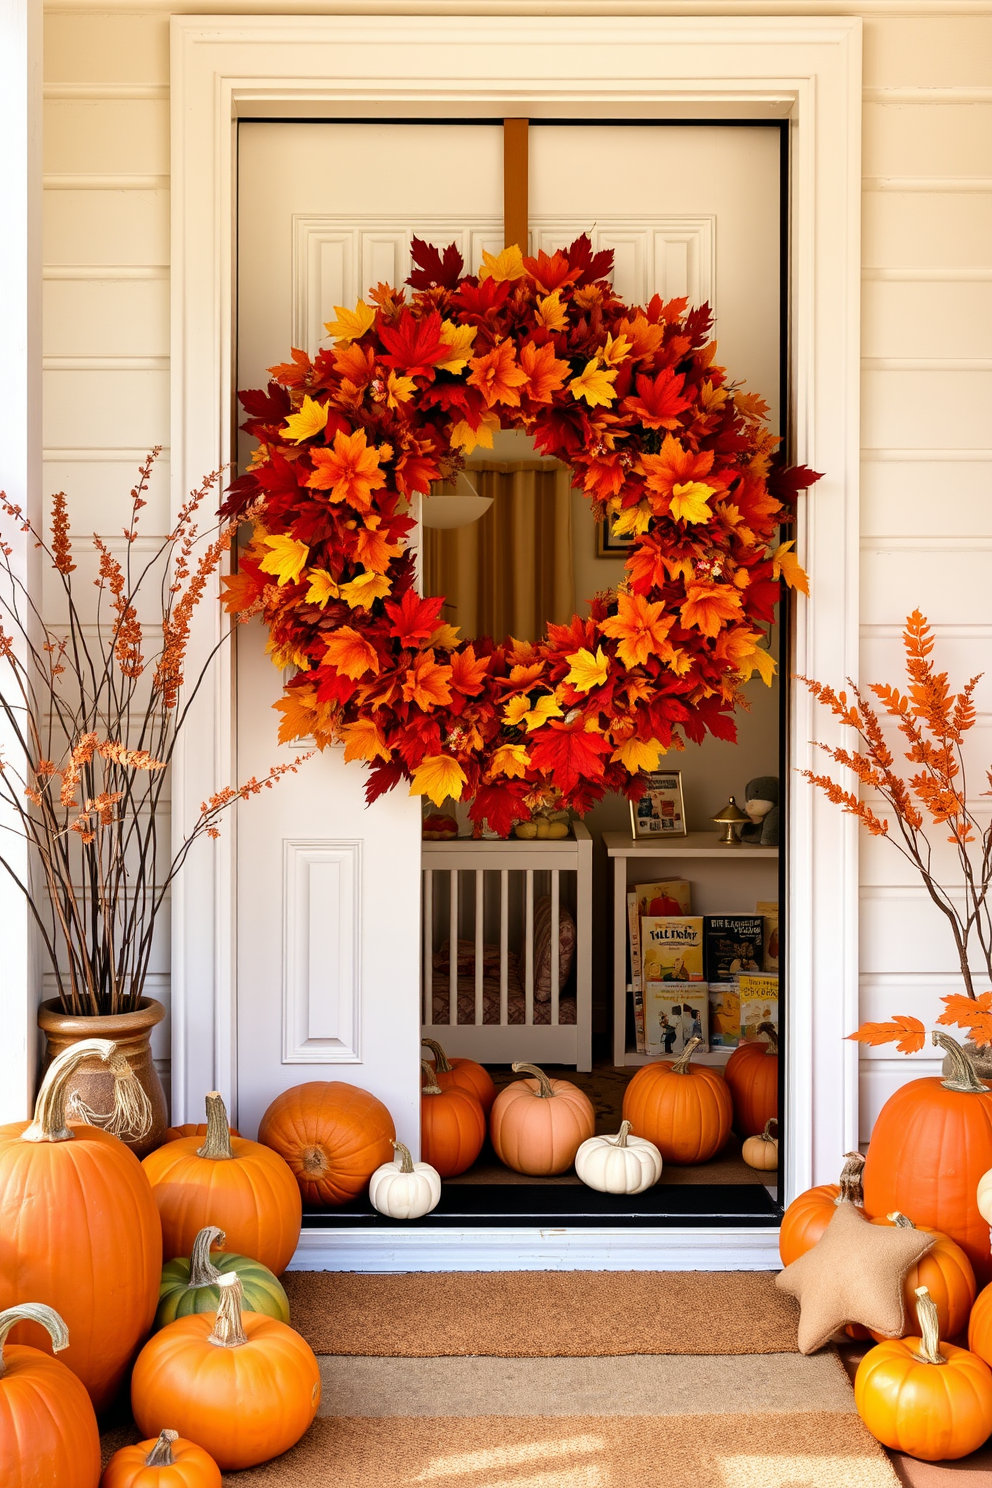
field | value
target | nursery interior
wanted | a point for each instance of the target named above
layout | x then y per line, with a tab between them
512	547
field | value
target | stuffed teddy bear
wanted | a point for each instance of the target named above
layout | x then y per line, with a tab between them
761	805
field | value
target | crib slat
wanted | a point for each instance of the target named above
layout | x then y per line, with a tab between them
453	951
529	947
555	948
504	937
428	935
479	927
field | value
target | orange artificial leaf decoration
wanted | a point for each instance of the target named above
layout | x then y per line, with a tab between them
907	1033
297	708
973	1013
710	606
350	654
363	741
349	471
786	565
545	374
427	683
438	777
497	375
642	629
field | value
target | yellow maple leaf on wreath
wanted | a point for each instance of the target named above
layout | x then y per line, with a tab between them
786	565
595	384
438	777
308	420
351	324
588	671
286	559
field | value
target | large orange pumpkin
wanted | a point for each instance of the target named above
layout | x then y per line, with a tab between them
48	1432
924	1397
452	1126
333	1135
684	1109
931	1144
242	1386
240	1186
465	1073
752	1075
538	1125
809	1214
79	1231
947	1274
980	1326
169	1462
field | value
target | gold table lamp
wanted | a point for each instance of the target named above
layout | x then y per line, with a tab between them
729	819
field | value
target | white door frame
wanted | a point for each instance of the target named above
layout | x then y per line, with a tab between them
806	69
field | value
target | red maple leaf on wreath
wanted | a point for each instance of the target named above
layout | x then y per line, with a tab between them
661	442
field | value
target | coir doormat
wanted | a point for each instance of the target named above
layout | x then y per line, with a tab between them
542	1314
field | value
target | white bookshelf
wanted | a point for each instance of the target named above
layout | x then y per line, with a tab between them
725	880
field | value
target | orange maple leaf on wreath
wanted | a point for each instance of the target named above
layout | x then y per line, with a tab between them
642	629
973	1013
350	653
497	375
348	472
907	1033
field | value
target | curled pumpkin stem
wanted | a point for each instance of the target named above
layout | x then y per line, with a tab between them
962	1077
33	1312
622	1134
441	1061
681	1065
161	1453
202	1271
403	1157
49	1124
544	1087
431	1087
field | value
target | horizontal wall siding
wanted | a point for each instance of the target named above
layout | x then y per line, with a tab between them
927	348
927	444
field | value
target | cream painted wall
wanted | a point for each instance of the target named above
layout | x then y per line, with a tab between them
927	321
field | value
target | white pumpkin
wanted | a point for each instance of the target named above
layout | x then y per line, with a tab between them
985	1196
619	1164
404	1189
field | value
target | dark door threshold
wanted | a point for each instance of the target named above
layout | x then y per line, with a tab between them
557	1206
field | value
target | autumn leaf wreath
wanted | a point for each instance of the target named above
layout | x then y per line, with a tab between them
633	402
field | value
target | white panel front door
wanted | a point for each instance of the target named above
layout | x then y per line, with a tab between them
329	890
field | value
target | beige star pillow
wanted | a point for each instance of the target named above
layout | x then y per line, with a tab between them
854	1274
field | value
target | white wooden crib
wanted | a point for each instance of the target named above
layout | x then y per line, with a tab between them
485	892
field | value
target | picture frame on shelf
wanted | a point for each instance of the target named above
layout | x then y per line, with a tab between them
608	544
660	813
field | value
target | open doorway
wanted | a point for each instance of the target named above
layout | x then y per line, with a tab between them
708	249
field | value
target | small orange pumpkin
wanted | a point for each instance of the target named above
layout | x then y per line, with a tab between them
809	1214
466	1073
79	1225
947	1274
980	1326
538	1125
923	1397
48	1432
170	1462
752	1075
242	1386
333	1135
452	1126
240	1186
684	1109
191	1129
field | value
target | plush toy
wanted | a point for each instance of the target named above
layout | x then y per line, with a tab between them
761	805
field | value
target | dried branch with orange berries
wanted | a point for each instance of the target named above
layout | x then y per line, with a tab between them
90	725
935	721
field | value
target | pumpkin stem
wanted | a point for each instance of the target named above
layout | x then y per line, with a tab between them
772	1032
766	1135
544	1089
929	1321
403	1156
161	1453
202	1271
681	1065
431	1087
962	1077
35	1312
900	1221
229	1331
441	1061
851	1191
217	1143
49	1111
622	1134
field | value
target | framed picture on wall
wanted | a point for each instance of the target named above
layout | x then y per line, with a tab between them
660	811
608	545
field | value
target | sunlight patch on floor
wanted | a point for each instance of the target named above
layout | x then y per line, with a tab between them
493	1458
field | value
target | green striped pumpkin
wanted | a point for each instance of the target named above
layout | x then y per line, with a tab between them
189	1286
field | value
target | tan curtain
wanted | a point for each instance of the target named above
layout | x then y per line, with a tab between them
510	572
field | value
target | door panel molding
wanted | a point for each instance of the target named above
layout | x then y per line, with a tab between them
335	258
444	67
321	927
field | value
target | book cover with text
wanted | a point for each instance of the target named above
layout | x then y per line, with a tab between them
672	948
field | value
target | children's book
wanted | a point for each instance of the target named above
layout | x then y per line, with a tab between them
768	911
731	946
672	948
759	1005
636	980
670	896
725	1016
674	1013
